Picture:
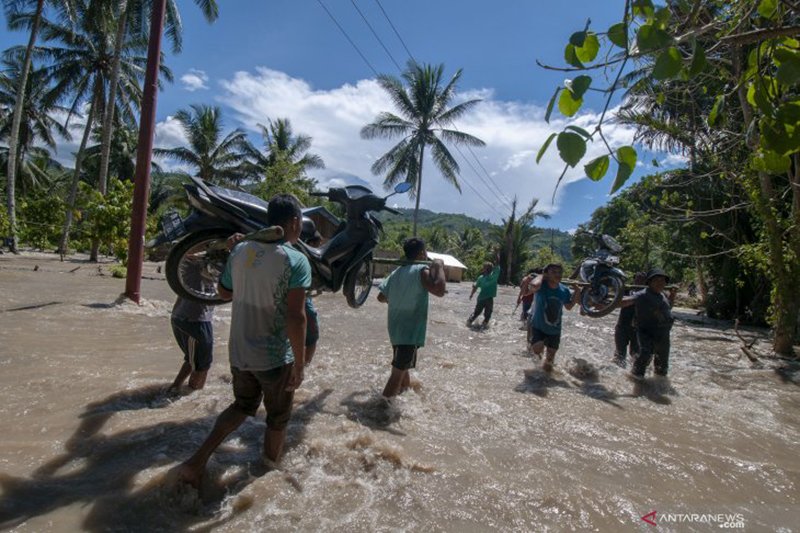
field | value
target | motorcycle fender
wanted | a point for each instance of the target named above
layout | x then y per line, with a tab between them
618	272
199	222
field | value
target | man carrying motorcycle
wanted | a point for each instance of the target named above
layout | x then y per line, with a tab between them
267	283
406	291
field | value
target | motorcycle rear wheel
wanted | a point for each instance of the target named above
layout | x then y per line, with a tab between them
358	283
601	298
202	253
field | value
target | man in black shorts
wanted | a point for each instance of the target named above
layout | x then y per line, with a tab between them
191	325
406	291
550	295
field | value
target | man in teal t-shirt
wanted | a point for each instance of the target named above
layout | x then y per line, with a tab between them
487	285
406	291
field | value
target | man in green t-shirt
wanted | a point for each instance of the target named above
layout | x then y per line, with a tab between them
406	291
487	285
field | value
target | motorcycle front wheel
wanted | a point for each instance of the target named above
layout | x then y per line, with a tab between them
195	264
600	298
358	283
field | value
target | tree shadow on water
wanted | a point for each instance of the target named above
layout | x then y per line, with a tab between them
101	470
538	382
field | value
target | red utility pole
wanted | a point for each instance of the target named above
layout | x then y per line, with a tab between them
144	152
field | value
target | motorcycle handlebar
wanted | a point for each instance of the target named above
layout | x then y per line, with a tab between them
392	211
323	194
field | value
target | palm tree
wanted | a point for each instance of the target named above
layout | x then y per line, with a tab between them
137	11
513	237
81	68
12	10
215	158
284	162
36	126
424	116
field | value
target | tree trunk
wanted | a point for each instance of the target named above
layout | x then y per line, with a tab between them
702	286
16	123
418	189
510	242
785	292
108	114
76	177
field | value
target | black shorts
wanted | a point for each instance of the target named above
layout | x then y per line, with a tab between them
312	324
405	356
196	340
551	341
250	387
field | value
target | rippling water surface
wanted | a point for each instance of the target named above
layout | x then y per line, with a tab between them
484	441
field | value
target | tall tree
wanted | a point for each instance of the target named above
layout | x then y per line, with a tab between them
80	67
513	237
138	12
284	161
426	120
12	10
736	63
215	158
37	126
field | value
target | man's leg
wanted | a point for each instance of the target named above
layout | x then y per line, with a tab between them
198	379
191	471
183	373
547	366
661	351
406	383
488	307
395	383
645	355
278	403
475	312
537	348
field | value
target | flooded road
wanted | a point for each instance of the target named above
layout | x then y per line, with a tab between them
485	441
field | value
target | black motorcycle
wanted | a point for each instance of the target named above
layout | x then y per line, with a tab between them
604	280
345	261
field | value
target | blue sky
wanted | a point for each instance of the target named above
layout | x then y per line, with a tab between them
287	59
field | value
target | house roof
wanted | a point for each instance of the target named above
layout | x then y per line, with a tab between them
448	260
321	210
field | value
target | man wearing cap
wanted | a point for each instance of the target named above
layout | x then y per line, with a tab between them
653	323
486	286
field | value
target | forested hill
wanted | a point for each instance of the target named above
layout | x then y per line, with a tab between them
446	221
561	241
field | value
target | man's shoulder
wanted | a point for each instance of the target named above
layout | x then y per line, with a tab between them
295	256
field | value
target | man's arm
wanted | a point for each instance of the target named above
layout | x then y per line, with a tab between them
576	296
672	292
627	301
495	274
296	331
536	284
433	278
224	293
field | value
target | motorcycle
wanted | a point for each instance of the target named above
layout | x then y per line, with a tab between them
344	262
604	280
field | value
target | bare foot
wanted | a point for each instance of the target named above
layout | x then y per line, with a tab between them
189	475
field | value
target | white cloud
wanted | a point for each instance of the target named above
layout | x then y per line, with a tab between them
513	133
194	80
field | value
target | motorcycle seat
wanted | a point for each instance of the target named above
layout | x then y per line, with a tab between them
255	207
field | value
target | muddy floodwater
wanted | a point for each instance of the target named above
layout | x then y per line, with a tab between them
484	442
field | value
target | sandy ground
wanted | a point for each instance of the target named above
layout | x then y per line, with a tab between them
485	441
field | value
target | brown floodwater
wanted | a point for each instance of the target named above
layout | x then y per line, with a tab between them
484	442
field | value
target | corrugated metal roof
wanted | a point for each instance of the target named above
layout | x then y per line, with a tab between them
448	260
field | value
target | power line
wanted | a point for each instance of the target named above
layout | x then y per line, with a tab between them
346	36
501	197
395	31
374	71
374	33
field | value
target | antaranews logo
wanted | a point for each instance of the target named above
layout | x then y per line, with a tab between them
721	520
